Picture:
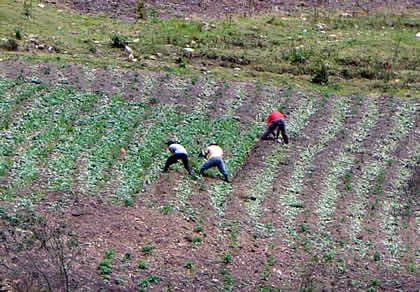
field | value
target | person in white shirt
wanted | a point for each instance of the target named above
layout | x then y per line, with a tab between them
178	152
215	153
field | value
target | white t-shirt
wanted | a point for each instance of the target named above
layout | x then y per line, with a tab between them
177	149
214	151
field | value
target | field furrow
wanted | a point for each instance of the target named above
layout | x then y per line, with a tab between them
291	198
259	185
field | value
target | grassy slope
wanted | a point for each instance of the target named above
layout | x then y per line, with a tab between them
273	48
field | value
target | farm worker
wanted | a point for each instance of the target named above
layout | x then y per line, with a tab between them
275	121
178	152
215	153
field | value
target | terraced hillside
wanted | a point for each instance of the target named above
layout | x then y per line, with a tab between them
336	209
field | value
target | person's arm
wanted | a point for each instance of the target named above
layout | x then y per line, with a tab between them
171	150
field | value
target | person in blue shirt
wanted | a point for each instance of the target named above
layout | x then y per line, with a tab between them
178	152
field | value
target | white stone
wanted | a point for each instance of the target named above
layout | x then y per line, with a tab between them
418	35
128	49
188	50
321	26
41	5
236	69
346	15
136	40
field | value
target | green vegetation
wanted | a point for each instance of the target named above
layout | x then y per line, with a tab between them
367	53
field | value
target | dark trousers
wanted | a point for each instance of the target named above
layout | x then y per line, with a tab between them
275	127
174	158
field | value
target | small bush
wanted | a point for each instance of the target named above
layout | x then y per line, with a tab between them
376	256
9	45
147	248
18	34
118	40
227	258
321	75
105	267
141	264
140	9
189	265
196	239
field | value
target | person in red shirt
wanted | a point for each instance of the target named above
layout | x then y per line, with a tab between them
276	124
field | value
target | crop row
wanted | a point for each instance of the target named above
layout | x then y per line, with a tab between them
374	170
262	181
291	197
49	117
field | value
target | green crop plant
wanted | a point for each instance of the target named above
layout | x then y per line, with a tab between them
403	122
147	248
148	281
141	264
189	265
105	266
227	258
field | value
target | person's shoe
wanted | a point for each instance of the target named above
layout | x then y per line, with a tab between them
227	180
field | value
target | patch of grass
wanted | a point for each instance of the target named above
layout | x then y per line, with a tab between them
247	42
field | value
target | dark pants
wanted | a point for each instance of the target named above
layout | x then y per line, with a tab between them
174	158
215	161
275	127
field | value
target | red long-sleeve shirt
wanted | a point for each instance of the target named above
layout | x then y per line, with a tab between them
274	116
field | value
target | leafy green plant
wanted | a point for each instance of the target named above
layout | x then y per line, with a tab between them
227	258
141	264
118	40
198	228
105	267
147	248
147	281
320	76
196	239
189	265
376	256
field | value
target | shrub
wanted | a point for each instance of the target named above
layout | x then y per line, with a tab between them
141	264
118	40
147	248
189	265
140	9
321	75
9	45
18	34
105	267
227	258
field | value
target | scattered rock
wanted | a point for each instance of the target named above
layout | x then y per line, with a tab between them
321	26
128	49
188	52
346	15
41	5
159	55
418	35
236	69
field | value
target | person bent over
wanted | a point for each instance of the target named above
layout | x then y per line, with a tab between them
276	124
215	153
178	152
